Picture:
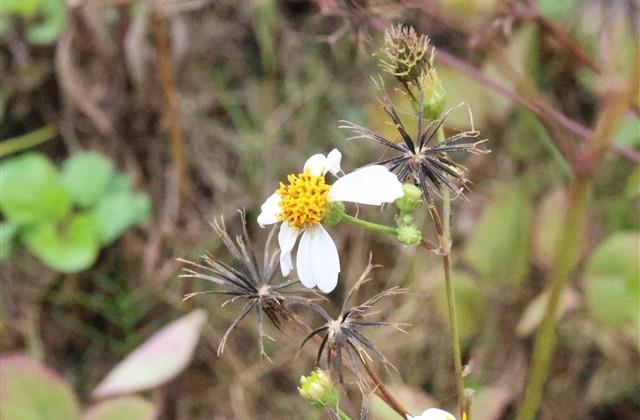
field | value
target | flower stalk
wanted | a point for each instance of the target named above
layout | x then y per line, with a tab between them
374	227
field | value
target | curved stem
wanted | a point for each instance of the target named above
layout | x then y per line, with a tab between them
375	227
389	398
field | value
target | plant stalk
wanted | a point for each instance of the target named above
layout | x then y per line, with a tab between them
444	239
375	227
567	250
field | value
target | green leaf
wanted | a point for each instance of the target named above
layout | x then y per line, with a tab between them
31	190
50	25
120	210
70	250
23	8
86	177
499	247
612	280
30	391
470	302
555	9
628	132
121	408
8	231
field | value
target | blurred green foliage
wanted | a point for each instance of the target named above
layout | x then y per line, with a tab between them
38	204
46	19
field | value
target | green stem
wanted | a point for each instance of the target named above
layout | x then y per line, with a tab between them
375	227
444	237
446	204
567	249
26	141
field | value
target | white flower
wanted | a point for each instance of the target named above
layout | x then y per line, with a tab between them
433	414
302	203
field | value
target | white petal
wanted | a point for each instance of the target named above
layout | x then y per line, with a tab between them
316	164
287	240
369	185
317	261
269	210
333	161
434	414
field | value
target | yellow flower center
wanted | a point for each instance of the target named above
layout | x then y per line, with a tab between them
304	199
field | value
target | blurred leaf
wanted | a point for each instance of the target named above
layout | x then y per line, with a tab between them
31	190
490	403
157	360
612	280
51	23
499	247
120	210
69	250
121	408
470	303
633	185
533	314
86	176
546	226
119	183
23	8
30	391
555	9
8	231
628	132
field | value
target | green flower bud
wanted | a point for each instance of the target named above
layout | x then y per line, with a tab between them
435	97
318	389
333	214
411	199
405	219
409	235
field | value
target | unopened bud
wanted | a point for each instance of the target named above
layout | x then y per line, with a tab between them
411	199
435	96
318	389
333	214
409	235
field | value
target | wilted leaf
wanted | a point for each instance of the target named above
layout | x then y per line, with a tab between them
533	314
86	176
31	190
612	280
499	247
470	302
30	391
121	408
118	211
157	360
7	233
69	250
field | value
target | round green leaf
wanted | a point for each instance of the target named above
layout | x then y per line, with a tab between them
69	250
31	191
86	177
120	210
30	391
612	280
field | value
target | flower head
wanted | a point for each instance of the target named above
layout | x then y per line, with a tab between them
433	414
302	204
420	160
247	280
318	389
342	336
407	54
